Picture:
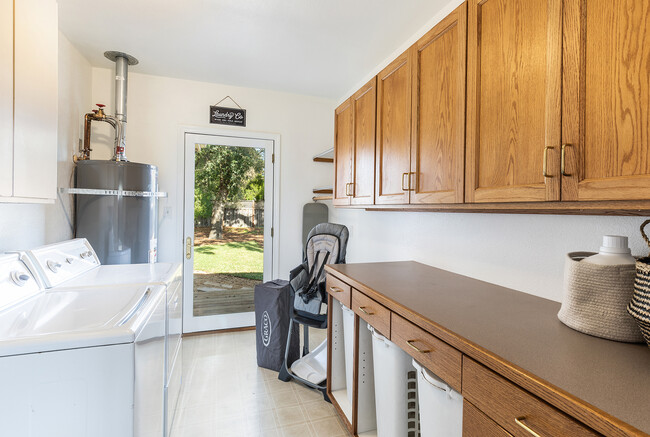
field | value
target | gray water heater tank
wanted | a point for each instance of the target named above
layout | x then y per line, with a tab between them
121	229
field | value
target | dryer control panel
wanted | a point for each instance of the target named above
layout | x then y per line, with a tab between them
63	261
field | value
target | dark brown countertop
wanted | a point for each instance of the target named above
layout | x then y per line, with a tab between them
522	330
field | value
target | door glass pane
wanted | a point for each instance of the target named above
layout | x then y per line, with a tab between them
228	228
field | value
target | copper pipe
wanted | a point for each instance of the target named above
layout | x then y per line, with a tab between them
85	153
96	115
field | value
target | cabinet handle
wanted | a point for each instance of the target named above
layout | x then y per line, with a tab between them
562	161
351	189
347	193
362	309
521	421
544	170
336	289
188	248
409	188
404	175
417	349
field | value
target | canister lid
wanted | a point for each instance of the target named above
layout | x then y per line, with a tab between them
615	244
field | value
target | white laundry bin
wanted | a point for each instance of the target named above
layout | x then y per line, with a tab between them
395	389
348	341
441	407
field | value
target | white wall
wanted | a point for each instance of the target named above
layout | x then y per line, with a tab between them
159	106
27	226
524	252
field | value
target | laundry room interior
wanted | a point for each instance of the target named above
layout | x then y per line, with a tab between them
364	218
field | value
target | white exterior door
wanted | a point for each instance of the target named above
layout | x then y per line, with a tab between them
193	321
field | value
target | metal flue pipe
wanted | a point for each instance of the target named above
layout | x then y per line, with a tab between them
122	62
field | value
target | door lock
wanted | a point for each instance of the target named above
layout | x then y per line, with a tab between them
188	248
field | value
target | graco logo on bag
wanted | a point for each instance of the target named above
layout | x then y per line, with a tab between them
266	329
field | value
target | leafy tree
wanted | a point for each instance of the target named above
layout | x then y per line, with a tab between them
224	175
255	189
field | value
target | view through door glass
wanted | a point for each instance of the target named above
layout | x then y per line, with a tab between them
228	228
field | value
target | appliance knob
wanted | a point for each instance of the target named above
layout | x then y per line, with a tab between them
86	254
20	278
69	260
53	265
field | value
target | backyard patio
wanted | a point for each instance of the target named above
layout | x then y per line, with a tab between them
226	270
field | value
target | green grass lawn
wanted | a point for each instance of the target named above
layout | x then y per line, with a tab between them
243	260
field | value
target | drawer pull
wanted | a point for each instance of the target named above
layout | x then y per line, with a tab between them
363	310
521	421
336	289
422	351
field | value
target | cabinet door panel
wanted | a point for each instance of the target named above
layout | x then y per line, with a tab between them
36	99
606	96
393	131
364	102
514	85
6	96
343	143
438	149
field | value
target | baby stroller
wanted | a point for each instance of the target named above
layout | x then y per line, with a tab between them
326	244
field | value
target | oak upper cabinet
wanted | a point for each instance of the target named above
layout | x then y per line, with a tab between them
364	107
438	121
514	100
606	99
354	148
28	100
343	143
393	163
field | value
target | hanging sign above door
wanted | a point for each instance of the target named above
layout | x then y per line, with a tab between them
228	116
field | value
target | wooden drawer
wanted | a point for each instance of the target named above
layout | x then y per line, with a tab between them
372	312
339	290
477	424
432	353
516	410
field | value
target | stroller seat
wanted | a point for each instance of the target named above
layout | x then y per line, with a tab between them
326	244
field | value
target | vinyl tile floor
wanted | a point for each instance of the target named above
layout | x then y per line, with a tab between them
226	394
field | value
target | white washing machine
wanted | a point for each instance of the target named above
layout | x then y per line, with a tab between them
79	362
73	264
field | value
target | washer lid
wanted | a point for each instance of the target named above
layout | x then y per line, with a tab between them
68	319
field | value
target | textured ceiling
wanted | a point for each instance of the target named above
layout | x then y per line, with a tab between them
311	47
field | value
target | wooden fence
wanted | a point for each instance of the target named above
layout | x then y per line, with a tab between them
238	218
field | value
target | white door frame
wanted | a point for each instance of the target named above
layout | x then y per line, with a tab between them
235	138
